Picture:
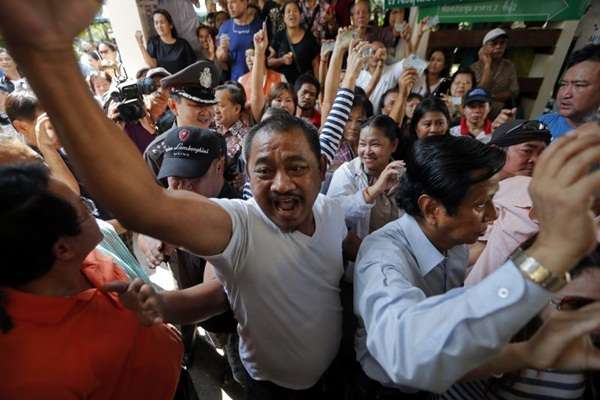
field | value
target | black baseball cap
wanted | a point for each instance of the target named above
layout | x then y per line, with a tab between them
196	82
477	95
190	151
520	131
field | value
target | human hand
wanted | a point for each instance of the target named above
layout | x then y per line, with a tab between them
261	40
484	55
44	26
288	58
564	341
407	33
388	178
155	251
423	25
45	134
140	298
139	36
504	116
342	41
562	190
407	81
356	61
224	41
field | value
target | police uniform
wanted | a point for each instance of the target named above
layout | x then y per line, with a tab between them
197	83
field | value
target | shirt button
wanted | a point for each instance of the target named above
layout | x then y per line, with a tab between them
503	292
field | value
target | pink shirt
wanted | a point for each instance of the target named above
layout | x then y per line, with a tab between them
512	227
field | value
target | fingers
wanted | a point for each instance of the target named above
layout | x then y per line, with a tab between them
580	165
119	287
568	151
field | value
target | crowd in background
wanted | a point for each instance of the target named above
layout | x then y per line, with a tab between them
345	219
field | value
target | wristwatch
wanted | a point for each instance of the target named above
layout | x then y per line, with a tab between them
536	272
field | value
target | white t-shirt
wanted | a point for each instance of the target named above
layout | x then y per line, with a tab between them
284	291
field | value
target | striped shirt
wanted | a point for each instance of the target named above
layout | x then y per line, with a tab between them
529	384
331	132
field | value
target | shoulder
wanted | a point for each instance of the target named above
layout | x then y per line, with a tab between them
549	118
387	244
226	27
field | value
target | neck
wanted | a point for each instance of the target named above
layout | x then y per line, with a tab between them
243	19
308	227
307	112
13	75
577	120
167	38
434	76
437	238
63	280
474	128
294	30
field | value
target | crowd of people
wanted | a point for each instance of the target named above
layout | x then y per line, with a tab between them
345	219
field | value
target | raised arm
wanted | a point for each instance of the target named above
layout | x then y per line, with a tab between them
148	59
107	160
333	73
377	75
257	97
405	84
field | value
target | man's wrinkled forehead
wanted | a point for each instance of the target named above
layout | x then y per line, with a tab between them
291	143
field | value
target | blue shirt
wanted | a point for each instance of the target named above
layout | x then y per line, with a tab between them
557	124
240	39
418	328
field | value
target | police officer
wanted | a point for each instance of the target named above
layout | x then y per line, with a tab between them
192	101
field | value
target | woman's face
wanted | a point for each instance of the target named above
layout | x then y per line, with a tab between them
437	62
107	53
291	16
410	107
388	102
285	100
92	62
352	128
162	25
461	84
203	36
101	85
396	16
375	150
6	62
432	123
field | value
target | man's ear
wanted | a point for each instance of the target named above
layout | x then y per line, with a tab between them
172	104
322	167
431	209
62	251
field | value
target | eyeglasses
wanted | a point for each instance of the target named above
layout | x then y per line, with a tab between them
531	125
571	303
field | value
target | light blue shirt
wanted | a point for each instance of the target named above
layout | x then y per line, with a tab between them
556	123
418	329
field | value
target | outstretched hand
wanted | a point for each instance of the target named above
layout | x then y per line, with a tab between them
43	24
140	298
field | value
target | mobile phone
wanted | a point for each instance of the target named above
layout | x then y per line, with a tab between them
456	100
433	21
400	27
348	36
415	62
327	47
223	36
367	52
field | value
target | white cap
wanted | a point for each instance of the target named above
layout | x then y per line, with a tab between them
157	71
494	34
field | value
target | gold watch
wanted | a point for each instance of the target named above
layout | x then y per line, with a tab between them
537	273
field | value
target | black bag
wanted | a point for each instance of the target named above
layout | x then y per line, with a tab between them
185	387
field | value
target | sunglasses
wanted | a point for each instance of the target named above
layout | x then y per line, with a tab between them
527	125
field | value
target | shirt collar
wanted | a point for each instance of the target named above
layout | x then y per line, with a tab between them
427	255
234	130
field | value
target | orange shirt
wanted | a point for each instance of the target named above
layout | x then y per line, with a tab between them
86	346
273	77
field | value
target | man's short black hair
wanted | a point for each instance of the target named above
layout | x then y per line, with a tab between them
591	52
445	167
284	123
307	78
237	95
21	105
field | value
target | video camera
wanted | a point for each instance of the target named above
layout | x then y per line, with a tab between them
128	97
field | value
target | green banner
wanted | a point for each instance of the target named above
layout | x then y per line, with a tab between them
508	10
421	3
